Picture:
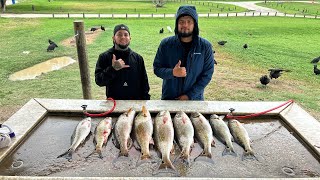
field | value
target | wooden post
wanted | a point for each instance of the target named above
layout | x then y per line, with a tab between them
82	58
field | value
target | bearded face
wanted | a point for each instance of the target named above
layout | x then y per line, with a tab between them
122	39
185	26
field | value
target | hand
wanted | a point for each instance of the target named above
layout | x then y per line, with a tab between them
179	71
183	97
118	64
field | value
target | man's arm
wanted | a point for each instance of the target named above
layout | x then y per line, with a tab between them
104	72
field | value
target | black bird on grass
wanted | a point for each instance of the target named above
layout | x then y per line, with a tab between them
315	60
264	80
316	70
222	43
93	29
245	46
52	45
161	31
275	73
102	28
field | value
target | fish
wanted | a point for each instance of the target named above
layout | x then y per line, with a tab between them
241	136
122	130
221	130
164	135
80	134
143	130
184	132
203	133
101	134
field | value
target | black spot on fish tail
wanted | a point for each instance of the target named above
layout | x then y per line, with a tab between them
67	154
229	151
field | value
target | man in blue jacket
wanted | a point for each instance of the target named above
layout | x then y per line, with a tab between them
185	61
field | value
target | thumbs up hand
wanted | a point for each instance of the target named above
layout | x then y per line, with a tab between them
179	71
118	64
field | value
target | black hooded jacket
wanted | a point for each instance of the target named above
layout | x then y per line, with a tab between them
126	84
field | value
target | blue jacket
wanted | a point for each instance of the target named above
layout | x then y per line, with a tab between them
200	63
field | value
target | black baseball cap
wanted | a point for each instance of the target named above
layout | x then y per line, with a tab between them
120	27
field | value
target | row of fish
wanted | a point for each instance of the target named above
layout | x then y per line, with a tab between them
161	132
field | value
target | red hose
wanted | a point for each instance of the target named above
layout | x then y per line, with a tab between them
102	114
260	113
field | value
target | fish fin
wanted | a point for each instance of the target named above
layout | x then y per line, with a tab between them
166	168
136	145
213	143
183	158
67	154
144	158
129	143
229	151
90	154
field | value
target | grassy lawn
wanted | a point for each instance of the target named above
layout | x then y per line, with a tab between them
294	7
108	7
289	43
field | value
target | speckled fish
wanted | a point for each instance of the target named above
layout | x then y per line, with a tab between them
184	132
81	132
241	136
164	134
101	134
203	133
143	129
221	130
122	132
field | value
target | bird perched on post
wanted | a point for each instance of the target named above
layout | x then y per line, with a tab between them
102	28
264	80
315	60
245	46
222	42
316	70
52	45
161	31
275	73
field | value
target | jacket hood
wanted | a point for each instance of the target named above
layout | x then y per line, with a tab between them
190	11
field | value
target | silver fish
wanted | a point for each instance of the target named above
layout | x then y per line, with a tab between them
122	132
101	134
240	134
164	134
203	132
184	131
221	130
143	129
81	132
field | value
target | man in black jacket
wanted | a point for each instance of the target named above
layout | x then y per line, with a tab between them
122	70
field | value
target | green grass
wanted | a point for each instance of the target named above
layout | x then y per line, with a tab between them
116	7
294	7
289	43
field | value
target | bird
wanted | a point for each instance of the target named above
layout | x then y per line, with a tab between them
102	28
222	43
316	70
161	31
169	29
264	80
51	47
93	29
275	73
315	60
245	46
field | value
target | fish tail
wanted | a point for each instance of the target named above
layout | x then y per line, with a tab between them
145	156
248	154
67	154
229	151
166	167
205	156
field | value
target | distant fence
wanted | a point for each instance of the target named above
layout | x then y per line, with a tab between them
127	16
